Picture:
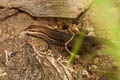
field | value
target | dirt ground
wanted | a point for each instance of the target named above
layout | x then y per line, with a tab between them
21	57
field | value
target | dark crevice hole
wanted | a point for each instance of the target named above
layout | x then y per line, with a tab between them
64	27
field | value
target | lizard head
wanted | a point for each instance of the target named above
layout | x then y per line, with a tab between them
31	30
35	31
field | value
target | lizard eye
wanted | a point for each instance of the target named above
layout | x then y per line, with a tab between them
32	30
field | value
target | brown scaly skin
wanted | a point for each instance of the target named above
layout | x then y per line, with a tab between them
60	38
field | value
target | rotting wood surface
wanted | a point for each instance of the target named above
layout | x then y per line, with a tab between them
6	12
49	8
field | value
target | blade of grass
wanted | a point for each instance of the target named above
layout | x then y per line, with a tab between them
75	49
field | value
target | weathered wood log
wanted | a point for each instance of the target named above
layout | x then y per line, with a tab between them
6	12
49	8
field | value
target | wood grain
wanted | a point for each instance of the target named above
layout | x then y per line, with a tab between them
49	8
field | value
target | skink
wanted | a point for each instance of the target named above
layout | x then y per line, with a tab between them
56	37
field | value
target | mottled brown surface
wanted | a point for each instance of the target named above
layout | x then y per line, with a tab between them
22	61
6	12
